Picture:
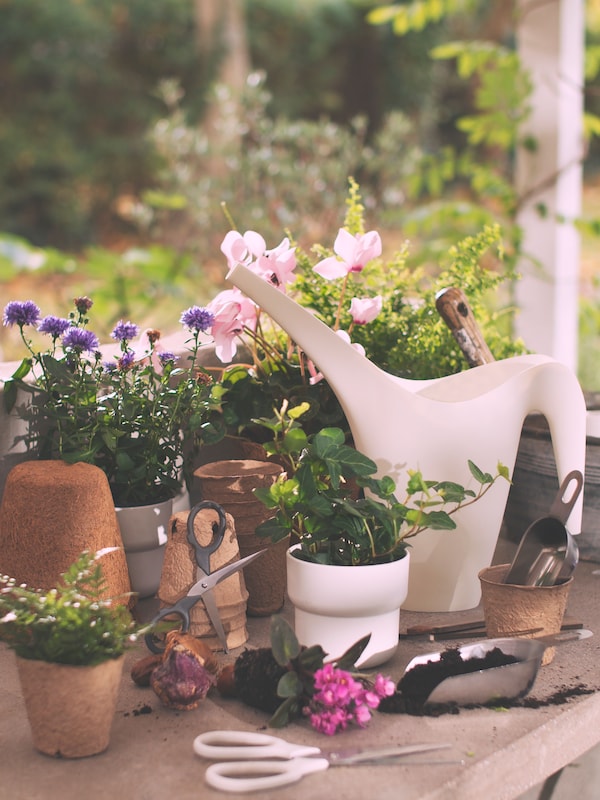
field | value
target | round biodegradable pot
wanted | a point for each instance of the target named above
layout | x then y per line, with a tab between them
335	606
509	608
144	530
70	708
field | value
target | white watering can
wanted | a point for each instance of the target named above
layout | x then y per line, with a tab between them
436	426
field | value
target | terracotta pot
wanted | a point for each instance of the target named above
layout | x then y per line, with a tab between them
231	483
70	708
508	608
335	606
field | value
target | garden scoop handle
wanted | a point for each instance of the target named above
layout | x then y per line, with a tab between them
454	309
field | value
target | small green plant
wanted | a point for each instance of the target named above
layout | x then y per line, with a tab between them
73	623
321	502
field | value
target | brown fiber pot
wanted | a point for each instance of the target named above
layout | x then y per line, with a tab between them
508	608
70	708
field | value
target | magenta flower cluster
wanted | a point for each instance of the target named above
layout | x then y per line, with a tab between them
339	699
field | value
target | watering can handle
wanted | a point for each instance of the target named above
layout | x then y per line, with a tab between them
562	508
453	307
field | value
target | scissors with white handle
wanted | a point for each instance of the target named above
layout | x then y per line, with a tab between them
250	761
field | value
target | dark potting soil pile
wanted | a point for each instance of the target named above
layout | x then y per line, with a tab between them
417	684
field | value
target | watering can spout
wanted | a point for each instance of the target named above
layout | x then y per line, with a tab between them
438	426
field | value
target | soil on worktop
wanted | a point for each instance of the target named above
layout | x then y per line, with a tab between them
417	684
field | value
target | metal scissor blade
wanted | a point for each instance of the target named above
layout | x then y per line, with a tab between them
209	581
213	614
203	588
359	756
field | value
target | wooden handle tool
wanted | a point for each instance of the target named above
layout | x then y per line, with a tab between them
453	307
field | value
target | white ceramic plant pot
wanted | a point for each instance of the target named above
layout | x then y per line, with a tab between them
336	606
144	530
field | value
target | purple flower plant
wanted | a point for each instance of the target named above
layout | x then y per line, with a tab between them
124	331
80	340
167	356
54	326
21	313
126	361
197	319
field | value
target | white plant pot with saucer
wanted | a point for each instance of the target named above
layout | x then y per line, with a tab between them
144	530
335	606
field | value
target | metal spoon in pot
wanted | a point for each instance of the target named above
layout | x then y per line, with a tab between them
548	553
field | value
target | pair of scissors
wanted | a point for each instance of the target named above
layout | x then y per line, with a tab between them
248	762
207	580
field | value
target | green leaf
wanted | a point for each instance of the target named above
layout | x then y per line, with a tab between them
289	685
286	712
284	644
351	656
10	395
480	477
312	658
298	411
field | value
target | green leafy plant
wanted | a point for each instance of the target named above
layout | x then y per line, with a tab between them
322	505
135	415
73	623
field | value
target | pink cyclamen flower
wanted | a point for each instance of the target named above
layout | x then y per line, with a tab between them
240	249
278	265
226	328
364	309
247	308
352	254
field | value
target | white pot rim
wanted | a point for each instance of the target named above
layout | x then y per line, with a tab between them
296	548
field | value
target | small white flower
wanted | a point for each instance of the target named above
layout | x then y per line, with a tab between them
10	617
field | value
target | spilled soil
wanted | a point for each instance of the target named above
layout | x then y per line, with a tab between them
417	684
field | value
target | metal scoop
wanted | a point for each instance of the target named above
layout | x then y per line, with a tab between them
507	682
548	553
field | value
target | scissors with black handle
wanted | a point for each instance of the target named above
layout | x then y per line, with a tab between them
207	580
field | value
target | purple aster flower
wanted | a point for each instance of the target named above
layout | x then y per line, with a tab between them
109	366
126	361
21	313
54	326
167	356
125	331
81	340
197	319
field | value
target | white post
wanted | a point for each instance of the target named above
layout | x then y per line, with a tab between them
551	46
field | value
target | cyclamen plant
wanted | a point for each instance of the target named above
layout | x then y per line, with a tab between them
235	314
133	415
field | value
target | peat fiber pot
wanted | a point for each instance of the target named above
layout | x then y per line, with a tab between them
335	606
70	708
52	511
509	608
